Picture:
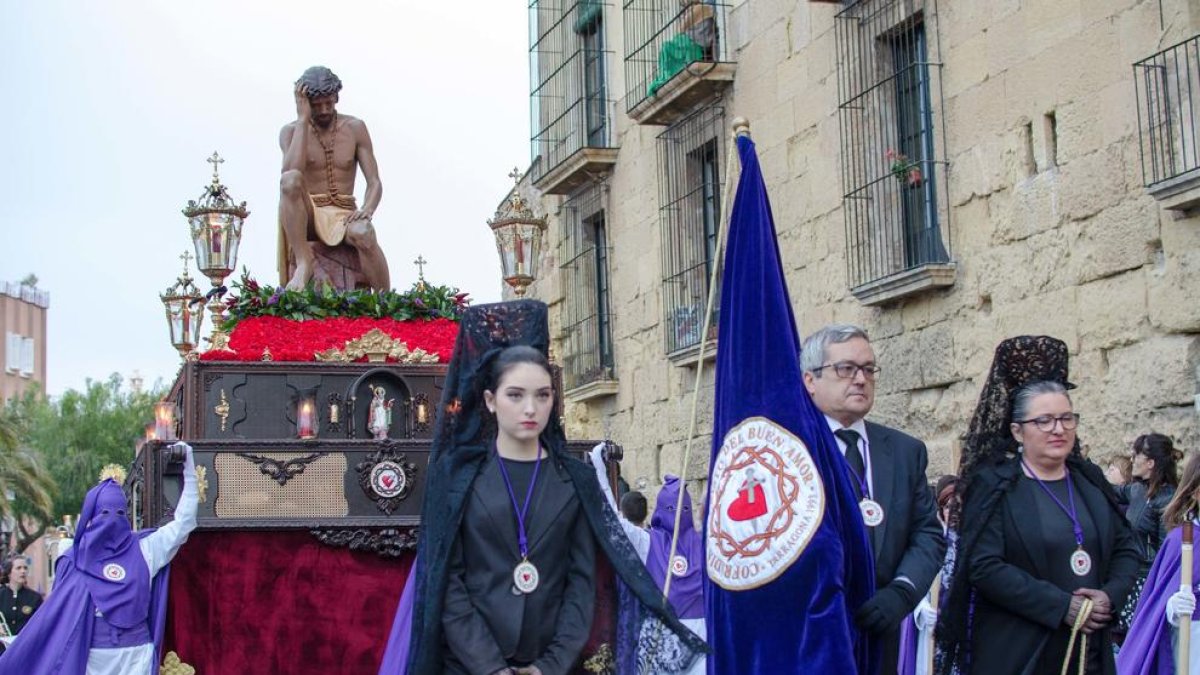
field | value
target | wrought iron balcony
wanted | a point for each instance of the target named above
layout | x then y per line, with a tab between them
1167	86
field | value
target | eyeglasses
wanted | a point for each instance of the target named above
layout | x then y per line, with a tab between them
847	370
1047	422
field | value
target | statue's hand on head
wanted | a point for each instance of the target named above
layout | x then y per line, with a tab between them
303	105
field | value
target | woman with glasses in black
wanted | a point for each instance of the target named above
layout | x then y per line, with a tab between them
1154	472
1046	557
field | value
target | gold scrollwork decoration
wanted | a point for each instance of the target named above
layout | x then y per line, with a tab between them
378	347
172	665
202	482
221	409
602	661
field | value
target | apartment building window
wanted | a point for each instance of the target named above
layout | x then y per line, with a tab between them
587	321
893	146
27	356
13	348
690	154
569	99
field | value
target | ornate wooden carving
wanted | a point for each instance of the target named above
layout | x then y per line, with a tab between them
209	378
390	542
387	477
282	470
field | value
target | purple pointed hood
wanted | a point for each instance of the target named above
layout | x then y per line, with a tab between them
107	553
687	590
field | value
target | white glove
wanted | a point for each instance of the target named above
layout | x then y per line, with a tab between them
597	456
925	616
1182	603
189	462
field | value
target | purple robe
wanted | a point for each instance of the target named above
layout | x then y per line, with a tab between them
395	655
58	637
1147	649
105	570
687	589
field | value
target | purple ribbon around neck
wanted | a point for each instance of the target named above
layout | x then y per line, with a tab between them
522	539
1071	513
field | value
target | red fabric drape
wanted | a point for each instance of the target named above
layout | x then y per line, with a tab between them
280	602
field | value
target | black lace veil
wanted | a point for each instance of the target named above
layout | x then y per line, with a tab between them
462	442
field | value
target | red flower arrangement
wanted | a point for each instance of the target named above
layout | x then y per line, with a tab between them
290	340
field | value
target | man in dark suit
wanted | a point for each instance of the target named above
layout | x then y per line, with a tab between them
888	469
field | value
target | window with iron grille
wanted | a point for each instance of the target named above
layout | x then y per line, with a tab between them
569	98
587	320
663	37
893	145
1167	86
690	155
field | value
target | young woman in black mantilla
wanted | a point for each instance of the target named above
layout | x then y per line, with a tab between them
512	526
1042	538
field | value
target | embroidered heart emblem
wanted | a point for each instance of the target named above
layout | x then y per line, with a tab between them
526	576
387	481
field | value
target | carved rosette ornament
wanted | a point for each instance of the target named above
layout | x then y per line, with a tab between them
387	477
378	347
390	542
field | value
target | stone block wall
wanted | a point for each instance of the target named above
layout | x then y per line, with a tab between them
1050	225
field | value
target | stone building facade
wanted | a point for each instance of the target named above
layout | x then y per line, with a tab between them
943	173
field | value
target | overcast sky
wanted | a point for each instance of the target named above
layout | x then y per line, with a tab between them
112	107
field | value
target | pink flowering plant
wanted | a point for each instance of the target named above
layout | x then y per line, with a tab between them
906	171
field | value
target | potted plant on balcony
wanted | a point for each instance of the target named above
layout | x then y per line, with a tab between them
906	171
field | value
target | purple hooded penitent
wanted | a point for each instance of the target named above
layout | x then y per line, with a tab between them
1147	649
687	590
104	570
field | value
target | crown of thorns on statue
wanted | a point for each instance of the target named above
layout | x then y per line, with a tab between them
320	81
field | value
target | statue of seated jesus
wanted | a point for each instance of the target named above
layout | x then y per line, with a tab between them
325	237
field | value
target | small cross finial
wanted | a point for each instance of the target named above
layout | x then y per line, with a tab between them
420	262
186	258
515	174
215	160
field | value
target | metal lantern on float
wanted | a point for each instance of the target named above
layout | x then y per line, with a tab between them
216	221
518	239
184	311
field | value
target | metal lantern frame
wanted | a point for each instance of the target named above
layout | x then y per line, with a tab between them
519	234
215	222
185	315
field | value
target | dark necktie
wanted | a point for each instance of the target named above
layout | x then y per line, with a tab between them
853	457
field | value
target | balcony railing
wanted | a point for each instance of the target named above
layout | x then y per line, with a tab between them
1167	87
570	106
670	47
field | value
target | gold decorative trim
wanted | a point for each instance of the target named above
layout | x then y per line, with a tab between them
221	409
602	661
219	342
113	471
171	665
202	482
378	347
